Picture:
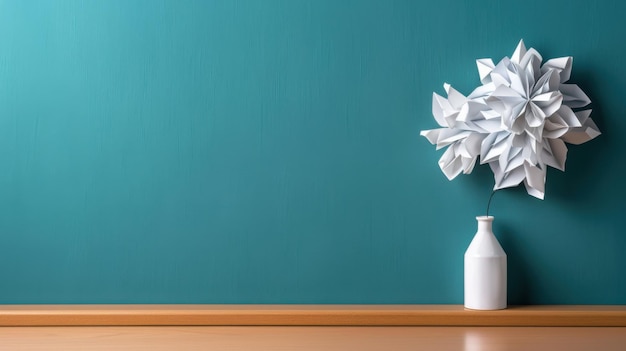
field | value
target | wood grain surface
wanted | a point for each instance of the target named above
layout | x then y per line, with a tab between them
313	338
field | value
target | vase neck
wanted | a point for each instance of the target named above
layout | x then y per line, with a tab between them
484	223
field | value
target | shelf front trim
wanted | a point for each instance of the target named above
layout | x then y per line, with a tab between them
310	315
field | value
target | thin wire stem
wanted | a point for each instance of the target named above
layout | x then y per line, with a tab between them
489	202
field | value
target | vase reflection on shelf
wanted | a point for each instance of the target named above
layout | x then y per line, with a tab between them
485	270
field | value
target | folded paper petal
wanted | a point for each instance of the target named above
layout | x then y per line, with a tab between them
563	65
485	66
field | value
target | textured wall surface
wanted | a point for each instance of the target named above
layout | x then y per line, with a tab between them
268	151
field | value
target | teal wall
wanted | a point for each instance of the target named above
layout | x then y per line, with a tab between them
268	151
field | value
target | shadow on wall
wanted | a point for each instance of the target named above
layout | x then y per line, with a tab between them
584	161
519	288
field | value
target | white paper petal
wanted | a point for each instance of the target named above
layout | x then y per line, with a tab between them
531	62
500	73
582	117
486	125
540	194
582	134
509	179
455	98
555	127
481	92
548	82
447	136
512	159
492	146
554	154
468	165
573	119
440	105
549	103
472	144
450	164
535	180
563	65
485	66
573	96
520	51
432	135
472	111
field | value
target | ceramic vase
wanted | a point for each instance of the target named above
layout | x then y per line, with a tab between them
485	270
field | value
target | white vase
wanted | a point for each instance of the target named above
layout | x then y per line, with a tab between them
485	270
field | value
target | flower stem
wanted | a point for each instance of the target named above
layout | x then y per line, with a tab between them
489	202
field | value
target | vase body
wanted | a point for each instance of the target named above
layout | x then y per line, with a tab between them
485	270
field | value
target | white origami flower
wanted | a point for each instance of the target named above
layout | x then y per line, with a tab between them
517	121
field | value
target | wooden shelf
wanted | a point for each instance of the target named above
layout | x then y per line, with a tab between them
309	315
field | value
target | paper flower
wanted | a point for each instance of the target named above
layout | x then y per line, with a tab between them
517	121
